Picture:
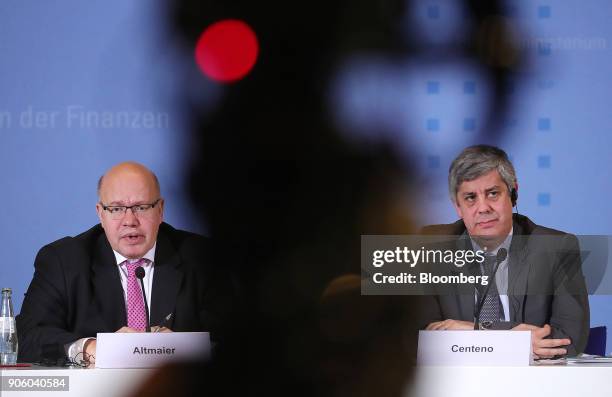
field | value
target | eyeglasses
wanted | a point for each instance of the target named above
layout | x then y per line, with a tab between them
139	210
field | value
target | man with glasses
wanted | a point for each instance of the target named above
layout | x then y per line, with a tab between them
89	283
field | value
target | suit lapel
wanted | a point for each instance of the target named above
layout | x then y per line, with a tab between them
466	298
167	280
107	286
518	271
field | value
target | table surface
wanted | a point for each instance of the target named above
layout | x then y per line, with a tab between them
553	380
539	380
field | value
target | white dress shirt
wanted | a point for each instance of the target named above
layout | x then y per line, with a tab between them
148	268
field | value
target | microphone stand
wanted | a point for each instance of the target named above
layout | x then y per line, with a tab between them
140	273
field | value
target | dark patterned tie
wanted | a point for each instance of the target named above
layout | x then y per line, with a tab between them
491	308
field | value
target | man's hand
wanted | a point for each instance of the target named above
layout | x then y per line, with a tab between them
89	353
541	347
157	328
450	325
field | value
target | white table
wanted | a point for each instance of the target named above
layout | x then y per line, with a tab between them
559	380
81	382
591	380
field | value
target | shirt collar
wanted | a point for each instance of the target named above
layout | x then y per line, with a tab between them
150	256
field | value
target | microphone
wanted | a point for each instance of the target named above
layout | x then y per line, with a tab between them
502	253
140	273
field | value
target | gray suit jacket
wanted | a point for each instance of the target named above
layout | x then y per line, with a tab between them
545	283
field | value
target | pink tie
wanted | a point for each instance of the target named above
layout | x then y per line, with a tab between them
136	315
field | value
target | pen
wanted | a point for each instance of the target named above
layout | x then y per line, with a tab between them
164	323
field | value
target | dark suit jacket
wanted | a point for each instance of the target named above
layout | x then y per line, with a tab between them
76	290
545	283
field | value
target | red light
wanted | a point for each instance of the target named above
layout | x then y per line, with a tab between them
227	50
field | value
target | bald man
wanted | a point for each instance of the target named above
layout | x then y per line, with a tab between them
86	284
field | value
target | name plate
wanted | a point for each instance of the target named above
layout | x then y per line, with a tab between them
474	348
149	349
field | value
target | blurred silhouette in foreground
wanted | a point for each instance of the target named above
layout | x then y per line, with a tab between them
286	198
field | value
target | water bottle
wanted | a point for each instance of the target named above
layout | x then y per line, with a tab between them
8	331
